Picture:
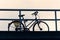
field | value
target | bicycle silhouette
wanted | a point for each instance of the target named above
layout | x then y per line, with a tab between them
19	26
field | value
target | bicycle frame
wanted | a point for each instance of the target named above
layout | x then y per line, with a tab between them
36	22
31	23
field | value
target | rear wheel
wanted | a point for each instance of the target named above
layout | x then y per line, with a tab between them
15	26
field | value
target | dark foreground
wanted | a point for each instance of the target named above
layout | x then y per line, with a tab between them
29	35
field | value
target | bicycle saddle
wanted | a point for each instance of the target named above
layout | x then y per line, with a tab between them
21	15
35	13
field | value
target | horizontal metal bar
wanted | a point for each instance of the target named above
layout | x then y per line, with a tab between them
31	19
8	19
39	9
29	9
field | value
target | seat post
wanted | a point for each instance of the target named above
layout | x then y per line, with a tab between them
20	17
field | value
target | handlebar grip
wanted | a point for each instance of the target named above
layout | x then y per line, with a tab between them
35	13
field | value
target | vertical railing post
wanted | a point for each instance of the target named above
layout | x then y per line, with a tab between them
56	20
20	19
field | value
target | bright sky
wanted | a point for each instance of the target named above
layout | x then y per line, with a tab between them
29	4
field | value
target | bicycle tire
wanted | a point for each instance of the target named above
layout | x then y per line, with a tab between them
39	22
9	25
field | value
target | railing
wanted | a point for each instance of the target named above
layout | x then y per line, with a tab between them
54	10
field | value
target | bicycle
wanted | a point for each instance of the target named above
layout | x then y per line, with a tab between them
38	22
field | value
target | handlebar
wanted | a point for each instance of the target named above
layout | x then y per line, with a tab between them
35	13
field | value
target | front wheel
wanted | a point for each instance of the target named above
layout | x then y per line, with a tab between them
41	26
